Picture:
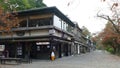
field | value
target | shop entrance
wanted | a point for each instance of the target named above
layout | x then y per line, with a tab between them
41	51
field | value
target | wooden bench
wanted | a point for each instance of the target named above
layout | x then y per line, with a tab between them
17	60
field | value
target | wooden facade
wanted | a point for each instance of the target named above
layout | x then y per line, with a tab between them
40	32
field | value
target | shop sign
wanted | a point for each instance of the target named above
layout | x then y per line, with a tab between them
42	43
2	47
52	31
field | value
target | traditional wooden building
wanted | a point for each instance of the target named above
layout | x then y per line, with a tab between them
41	31
81	44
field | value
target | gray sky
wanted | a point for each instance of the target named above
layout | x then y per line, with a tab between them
82	11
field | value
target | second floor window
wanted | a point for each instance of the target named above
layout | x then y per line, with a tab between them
36	22
39	22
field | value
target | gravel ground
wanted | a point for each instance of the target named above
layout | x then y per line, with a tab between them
95	59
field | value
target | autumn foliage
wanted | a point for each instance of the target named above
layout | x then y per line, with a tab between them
8	20
110	38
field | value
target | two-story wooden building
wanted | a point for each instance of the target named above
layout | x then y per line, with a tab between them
81	43
41	31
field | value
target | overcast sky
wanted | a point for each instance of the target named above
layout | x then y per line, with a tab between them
82	11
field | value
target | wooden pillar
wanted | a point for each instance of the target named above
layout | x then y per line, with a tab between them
60	51
66	49
51	46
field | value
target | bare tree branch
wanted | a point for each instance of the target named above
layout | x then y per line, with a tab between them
110	20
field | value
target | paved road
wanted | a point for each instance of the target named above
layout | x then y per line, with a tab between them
96	59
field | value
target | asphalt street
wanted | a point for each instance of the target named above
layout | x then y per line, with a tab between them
95	59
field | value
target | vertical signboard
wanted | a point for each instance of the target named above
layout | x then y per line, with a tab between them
2	47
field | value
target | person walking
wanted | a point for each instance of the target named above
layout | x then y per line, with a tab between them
52	56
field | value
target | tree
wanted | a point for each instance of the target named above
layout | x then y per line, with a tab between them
8	13
111	34
110	38
39	3
86	32
7	20
97	40
113	18
10	5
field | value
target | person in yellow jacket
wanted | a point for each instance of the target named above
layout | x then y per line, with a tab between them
52	56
